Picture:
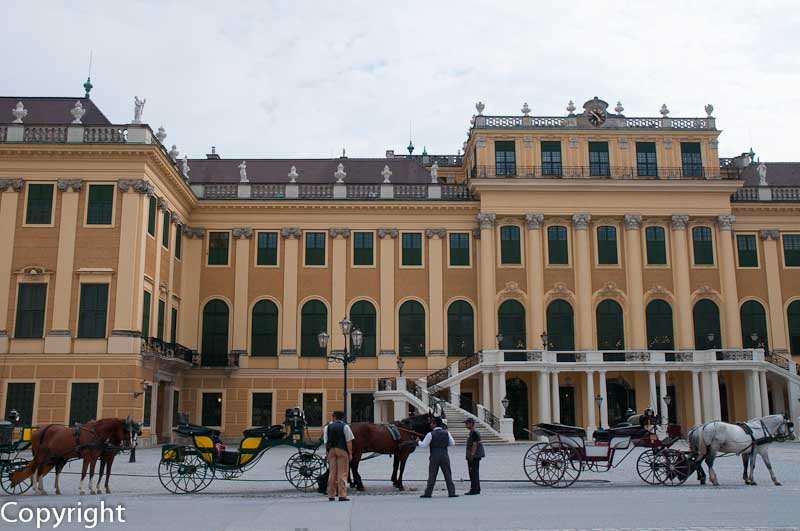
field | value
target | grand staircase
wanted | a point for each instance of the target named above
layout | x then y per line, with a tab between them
455	425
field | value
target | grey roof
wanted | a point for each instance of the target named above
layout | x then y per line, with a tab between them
778	174
50	111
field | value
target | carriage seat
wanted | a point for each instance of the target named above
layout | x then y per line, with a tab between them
604	435
275	431
190	430
560	429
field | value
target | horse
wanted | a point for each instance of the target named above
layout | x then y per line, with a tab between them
55	445
107	454
706	440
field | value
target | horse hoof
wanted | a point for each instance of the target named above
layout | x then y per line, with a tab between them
360	489
778	484
401	488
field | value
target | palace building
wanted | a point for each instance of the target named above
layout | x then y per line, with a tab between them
565	268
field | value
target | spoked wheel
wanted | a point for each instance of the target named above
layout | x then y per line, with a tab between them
9	467
303	470
647	466
187	476
557	466
674	468
529	463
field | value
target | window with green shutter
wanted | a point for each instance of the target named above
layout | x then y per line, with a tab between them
364	317
312	407
646	159
610	327
146	314
165	226
505	157
511	325
315	248
705	316
459	248
264	336
178	240
510	251
176	408
557	251
460	329
607	245
262	410
162	305
560	326
793	321
412	249
691	159
267	253
101	204
31	300
93	311
218	243
658	321
702	245
151	216
214	345
363	249
411	329
598	159
173	326
148	403
791	250
656	245
20	396
551	158
40	204
746	249
211	412
313	320
83	403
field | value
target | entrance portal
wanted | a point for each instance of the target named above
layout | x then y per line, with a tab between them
621	397
517	394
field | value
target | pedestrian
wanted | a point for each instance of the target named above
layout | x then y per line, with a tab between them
475	453
338	439
438	440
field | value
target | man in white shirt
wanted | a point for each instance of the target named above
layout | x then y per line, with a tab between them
439	440
338	439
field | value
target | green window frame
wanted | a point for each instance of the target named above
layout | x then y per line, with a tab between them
754	320
505	157
646	163
511	325
557	245
152	209
610	326
264	334
39	209
178	241
267	249
599	165
21	396
315	249
705	316
162	306
363	248
460	329
218	248
607	245
313	320
560	326
93	311
660	330
214	345
364	317
147	301
176	408
312	407
551	158
459	249
100	208
793	320
411	329
83	403
173	327
261	410
211	410
746	248
31	306
411	249
656	243
703	246
510	245
165	226
791	250
148	402
691	159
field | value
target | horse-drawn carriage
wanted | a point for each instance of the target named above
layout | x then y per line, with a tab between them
10	451
187	469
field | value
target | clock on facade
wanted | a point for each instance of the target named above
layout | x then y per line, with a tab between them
596	116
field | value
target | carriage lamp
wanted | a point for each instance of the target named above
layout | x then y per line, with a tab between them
400	364
544	340
500	338
505	403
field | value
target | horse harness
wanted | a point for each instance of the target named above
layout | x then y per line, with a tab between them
102	445
766	438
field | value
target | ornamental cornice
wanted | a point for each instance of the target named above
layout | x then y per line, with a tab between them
632	221
770	234
679	222
163	204
242	233
392	233
175	218
534	220
14	184
140	186
194	232
486	220
581	221
288	233
344	232
70	185
435	233
726	222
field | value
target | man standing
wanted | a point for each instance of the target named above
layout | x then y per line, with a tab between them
338	439
474	455
438	440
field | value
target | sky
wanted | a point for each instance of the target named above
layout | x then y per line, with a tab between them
264	79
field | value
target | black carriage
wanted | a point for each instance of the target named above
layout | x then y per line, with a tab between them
10	450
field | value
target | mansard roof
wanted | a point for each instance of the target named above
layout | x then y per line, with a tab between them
778	174
50	111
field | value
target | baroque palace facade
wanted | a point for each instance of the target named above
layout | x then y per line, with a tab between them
564	268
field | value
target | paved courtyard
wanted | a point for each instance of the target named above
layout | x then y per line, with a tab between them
264	500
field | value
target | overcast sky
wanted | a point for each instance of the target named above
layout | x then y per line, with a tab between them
304	79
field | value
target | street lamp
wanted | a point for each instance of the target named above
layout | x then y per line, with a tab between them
500	338
400	364
544	340
505	403
344	357
667	400
599	400
710	340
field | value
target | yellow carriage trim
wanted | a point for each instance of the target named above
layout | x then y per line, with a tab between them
205	444
27	432
248	449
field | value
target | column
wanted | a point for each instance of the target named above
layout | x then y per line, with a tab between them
535	272
501	392
662	384
555	398
793	390
437	359
680	273
633	267
288	358
387	357
777	318
727	271
192	263
455	394
486	282
696	401
590	403
583	282
762	382
9	199
753	391
338	283
544	396
715	403
708	399
58	337
651	384
486	400
604	403
242	236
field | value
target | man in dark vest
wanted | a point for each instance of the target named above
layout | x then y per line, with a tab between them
438	440
475	453
338	439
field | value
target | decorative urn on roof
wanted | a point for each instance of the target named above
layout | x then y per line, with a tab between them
619	108
664	110
340	174
173	153
480	107
292	175
571	108
77	113
19	112
386	173
709	109
526	110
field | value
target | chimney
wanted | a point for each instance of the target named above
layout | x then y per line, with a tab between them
213	155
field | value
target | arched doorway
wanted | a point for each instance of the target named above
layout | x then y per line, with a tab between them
511	324
707	333
754	323
610	327
460	329
659	325
411	329
517	394
214	349
560	326
621	397
364	317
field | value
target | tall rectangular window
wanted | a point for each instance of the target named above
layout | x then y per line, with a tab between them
791	250
459	248
557	251
218	243
152	210
510	251
646	159
93	311
691	160
83	403
598	159
607	245
267	249
412	249
20	396
178	240
165	230
40	204
146	315
101	204
176	408
160	324
173	326
363	248
262	410
702	246
551	158
315	248
656	245
312	407
30	311
746	249
148	404
211	409
505	158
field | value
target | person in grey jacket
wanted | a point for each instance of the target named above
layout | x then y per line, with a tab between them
439	440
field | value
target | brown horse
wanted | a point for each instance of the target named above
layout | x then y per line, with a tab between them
378	439
107	454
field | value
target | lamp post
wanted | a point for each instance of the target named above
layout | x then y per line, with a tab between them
345	357
667	400
544	340
599	400
400	364
505	403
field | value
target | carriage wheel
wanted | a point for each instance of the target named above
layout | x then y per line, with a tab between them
674	468
6	469
558	466
303	470
529	463
648	467
187	476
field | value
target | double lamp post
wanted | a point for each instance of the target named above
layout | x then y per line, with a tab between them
344	357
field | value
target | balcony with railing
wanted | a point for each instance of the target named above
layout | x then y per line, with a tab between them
168	351
594	171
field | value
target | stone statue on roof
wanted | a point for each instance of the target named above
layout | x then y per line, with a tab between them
138	109
762	174
243	172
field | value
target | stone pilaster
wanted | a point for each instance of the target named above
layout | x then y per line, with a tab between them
633	245
288	358
772	260
534	268
243	237
583	280
387	357
680	272
437	359
487	289
727	271
9	200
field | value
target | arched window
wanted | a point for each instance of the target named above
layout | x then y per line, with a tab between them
264	335
754	325
411	328
460	329
560	326
707	333
363	316
793	317
610	326
214	349
511	321
660	334
313	320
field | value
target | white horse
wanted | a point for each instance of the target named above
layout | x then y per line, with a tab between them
706	440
